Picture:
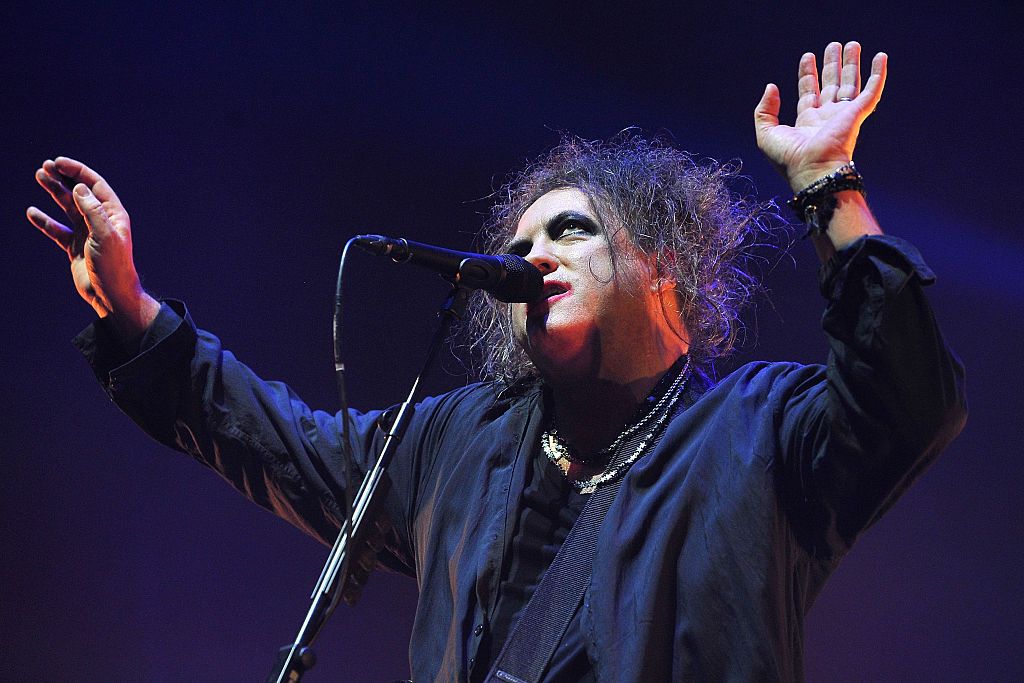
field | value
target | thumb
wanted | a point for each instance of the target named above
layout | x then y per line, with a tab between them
92	210
766	113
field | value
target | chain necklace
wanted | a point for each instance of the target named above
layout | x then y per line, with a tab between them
557	449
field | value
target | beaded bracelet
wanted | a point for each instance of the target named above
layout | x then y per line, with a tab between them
816	203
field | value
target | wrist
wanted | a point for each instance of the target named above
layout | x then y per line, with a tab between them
816	203
852	220
808	174
133	317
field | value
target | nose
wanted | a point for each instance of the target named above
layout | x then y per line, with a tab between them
542	259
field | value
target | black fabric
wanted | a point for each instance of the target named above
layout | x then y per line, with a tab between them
549	508
718	541
545	618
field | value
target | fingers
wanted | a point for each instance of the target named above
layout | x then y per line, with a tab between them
55	230
849	86
93	211
76	171
876	81
831	71
766	113
840	78
807	83
49	178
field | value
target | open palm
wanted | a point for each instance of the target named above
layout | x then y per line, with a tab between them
828	119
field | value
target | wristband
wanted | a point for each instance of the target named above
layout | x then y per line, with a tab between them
816	203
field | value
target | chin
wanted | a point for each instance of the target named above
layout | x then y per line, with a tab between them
557	346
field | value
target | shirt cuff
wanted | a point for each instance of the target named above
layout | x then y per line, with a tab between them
885	248
115	363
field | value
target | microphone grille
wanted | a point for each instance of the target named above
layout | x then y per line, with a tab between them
523	282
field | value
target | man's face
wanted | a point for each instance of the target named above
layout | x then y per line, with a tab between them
592	306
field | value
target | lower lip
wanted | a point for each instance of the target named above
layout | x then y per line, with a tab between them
556	297
543	305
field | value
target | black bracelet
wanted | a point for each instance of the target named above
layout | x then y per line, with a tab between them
816	203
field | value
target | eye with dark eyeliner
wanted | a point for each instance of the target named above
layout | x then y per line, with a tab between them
572	225
519	247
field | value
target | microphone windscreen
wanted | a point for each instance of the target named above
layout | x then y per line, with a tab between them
523	282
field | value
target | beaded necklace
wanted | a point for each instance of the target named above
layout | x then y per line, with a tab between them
557	449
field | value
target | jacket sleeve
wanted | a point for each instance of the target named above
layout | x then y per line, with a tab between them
892	399
189	393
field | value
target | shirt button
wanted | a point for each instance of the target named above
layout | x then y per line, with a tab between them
478	630
472	661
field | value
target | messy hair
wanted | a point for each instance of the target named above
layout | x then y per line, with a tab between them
676	207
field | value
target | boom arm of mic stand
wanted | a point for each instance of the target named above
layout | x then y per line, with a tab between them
297	658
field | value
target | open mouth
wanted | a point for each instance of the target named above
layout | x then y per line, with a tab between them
553	291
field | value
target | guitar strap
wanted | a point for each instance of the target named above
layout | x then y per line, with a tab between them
529	649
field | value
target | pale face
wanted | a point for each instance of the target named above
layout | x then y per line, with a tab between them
591	311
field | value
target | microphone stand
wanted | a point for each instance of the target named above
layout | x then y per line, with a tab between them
356	536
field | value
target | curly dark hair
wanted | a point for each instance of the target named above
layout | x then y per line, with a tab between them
674	206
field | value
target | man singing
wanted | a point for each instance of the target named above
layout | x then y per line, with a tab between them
717	510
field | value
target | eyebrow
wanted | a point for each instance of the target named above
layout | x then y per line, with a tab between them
522	245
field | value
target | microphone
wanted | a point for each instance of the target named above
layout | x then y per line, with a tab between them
507	277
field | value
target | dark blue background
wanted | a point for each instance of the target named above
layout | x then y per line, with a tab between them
250	140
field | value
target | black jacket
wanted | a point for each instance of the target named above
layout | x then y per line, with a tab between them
718	541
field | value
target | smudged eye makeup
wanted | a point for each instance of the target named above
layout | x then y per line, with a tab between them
571	224
519	247
565	225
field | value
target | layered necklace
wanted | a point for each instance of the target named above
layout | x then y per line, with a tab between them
645	427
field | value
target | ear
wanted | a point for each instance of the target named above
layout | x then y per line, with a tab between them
660	265
661	284
665	291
